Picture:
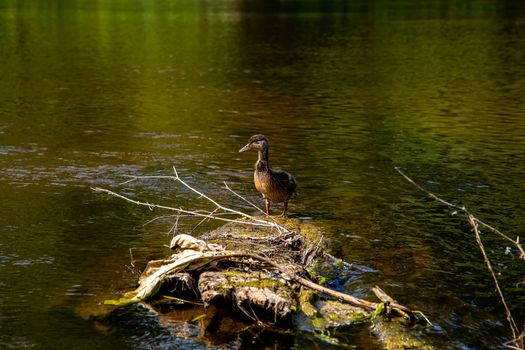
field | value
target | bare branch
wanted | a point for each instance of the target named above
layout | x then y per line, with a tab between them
244	199
517	341
467	213
202	195
132	263
175	226
180	210
157	218
253	205
514	328
204	214
203	220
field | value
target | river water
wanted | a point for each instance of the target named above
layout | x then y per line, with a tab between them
91	91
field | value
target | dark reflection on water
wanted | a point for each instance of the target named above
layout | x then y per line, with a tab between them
345	90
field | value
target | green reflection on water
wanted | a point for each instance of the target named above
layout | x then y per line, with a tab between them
345	90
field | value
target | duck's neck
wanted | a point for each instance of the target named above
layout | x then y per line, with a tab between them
262	163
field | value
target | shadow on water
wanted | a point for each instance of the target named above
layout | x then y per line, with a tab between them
196	328
345	91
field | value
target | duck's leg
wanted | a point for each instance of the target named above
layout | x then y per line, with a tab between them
267	207
285	208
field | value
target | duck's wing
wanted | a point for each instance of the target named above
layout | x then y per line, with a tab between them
286	181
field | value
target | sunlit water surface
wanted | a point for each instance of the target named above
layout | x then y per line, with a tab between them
345	91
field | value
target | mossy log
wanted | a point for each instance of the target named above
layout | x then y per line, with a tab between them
273	279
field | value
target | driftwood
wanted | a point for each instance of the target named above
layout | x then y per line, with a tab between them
269	272
271	290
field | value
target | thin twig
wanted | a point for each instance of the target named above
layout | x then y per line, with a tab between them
474	222
253	205
203	221
175	226
519	340
132	263
157	218
244	199
253	220
514	328
180	210
131	266
467	213
202	195
169	297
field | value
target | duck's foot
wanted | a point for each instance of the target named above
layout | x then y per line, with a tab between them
283	215
267	208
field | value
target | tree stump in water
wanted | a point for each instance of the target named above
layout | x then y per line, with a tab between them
271	278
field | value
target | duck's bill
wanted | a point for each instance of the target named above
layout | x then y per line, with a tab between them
246	148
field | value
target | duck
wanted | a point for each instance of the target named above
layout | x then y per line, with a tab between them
275	185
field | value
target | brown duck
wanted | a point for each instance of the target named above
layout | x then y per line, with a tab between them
274	185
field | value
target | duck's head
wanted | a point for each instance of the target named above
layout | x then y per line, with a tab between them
258	142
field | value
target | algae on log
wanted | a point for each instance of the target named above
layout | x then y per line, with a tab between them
262	275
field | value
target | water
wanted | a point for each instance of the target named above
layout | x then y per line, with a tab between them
345	91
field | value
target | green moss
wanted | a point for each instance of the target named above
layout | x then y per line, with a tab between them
306	229
328	339
340	314
241	279
262	283
394	335
119	302
357	318
318	322
378	311
305	302
312	272
233	273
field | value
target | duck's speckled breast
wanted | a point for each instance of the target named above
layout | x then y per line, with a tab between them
268	188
